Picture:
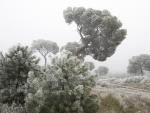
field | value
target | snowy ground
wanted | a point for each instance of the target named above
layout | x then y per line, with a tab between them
123	79
125	84
134	89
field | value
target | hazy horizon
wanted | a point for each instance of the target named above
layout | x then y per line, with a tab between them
22	21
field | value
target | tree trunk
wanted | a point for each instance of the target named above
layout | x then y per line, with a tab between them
141	70
45	62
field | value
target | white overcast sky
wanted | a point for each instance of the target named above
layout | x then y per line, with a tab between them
22	21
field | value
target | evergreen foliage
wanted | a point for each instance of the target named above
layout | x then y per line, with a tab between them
101	70
64	88
15	66
100	32
89	65
72	47
45	47
139	64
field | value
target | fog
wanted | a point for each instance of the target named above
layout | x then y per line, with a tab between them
22	21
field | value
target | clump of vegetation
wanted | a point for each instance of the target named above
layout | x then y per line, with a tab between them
101	70
72	47
45	47
12	109
89	65
100	32
64	88
65	85
111	104
14	67
139	64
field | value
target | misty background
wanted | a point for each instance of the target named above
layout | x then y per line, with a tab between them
22	21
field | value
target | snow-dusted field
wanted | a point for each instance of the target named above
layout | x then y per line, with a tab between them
129	84
130	91
124	79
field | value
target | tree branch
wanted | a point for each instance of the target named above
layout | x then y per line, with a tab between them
80	31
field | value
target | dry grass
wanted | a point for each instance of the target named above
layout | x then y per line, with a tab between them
111	104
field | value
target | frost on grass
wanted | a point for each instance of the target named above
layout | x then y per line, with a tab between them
123	79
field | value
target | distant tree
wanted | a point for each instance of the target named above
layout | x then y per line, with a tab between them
14	67
89	65
100	32
72	47
137	64
2	72
101	70
44	47
64	88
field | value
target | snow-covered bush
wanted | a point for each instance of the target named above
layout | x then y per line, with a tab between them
138	79
139	64
4	108
89	65
65	87
134	79
14	66
101	70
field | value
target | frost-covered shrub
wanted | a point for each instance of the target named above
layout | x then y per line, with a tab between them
135	79
64	88
4	108
89	65
14	66
72	47
101	70
139	64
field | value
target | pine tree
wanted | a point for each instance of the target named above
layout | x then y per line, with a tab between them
64	88
18	62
